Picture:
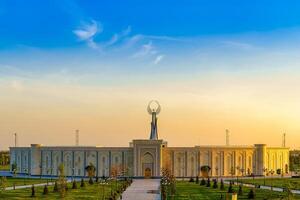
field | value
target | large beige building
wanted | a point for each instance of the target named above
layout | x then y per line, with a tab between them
147	157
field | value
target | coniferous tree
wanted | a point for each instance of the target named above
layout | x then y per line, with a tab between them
208	183
240	192
82	184
55	188
74	185
46	191
202	182
197	179
222	187
251	194
230	188
215	185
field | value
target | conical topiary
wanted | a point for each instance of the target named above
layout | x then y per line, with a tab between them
208	183
240	192
55	188
74	185
32	191
222	187
202	182
215	185
82	184
45	191
197	179
251	194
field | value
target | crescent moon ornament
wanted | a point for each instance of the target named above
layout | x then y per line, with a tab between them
153	106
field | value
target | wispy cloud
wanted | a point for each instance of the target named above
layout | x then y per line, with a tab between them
88	31
235	44
145	50
118	36
158	59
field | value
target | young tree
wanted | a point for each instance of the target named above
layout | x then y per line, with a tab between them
62	181
3	182
91	169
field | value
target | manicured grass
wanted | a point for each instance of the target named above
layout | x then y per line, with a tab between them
4	167
190	191
292	183
24	181
94	191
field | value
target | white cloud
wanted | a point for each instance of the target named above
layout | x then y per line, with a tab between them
87	32
145	50
118	36
158	59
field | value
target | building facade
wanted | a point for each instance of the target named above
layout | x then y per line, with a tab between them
147	158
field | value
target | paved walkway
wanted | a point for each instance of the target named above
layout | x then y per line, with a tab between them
143	189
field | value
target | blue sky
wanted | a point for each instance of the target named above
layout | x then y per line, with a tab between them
235	59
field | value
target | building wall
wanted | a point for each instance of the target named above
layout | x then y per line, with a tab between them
154	154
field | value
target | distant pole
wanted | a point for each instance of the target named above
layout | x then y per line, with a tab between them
227	137
283	140
77	137
16	136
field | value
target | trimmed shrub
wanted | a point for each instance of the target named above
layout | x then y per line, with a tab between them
46	191
191	180
91	182
55	188
240	192
215	185
97	179
230	188
32	191
222	187
203	182
208	183
251	194
74	185
197	179
82	184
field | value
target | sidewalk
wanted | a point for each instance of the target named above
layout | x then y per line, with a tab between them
143	189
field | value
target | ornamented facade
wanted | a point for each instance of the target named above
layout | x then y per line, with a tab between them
147	157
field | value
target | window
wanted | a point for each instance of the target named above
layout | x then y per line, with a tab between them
116	160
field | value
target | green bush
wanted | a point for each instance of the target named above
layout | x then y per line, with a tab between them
91	182
191	180
203	182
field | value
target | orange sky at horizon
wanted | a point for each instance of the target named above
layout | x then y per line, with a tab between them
196	112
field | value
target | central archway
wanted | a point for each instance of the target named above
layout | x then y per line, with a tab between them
147	165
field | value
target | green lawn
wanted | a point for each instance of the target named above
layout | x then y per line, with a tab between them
88	192
293	183
190	191
21	181
4	167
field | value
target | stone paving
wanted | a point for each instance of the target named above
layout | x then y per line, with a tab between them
143	189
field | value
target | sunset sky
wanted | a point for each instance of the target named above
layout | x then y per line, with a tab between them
95	65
